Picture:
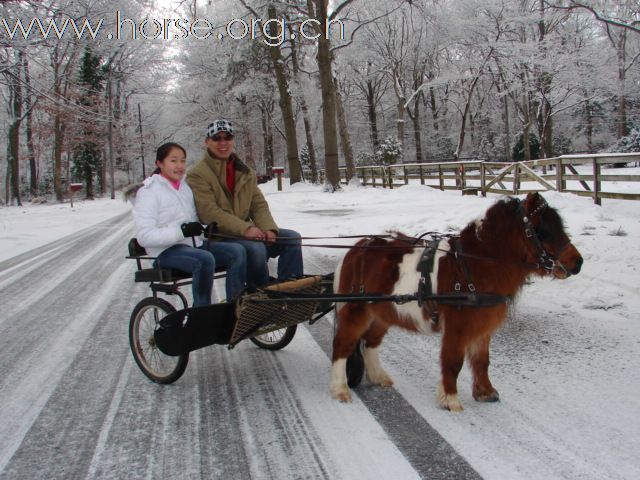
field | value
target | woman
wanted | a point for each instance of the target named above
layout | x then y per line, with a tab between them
167	225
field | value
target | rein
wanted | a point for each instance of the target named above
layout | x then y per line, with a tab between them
546	261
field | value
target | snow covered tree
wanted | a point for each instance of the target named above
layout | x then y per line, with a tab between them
390	151
87	154
627	144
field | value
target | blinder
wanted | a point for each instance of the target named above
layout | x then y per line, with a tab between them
546	261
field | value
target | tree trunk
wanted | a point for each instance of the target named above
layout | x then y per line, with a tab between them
247	141
371	111
59	124
465	115
267	144
328	98
58	143
400	108
415	116
13	140
622	129
31	154
306	119
526	145
345	137
285	104
589	111
434	109
417	134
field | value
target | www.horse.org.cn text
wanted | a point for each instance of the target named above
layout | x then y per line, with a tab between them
273	32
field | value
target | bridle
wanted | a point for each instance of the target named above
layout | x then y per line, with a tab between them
546	261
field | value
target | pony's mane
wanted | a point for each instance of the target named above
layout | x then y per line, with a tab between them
499	218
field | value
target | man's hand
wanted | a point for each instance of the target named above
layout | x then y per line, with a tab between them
254	233
270	237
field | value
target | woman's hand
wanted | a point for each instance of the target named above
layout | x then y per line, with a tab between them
192	229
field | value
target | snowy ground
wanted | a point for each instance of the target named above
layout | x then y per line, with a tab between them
566	363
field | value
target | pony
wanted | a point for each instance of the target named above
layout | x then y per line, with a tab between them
486	264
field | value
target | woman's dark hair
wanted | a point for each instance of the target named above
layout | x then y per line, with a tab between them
164	150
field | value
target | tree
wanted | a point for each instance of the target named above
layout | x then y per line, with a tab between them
318	9
14	75
286	104
87	154
526	147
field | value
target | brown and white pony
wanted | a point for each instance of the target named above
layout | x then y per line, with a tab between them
495	254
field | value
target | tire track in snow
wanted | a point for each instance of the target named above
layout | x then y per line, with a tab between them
22	262
34	379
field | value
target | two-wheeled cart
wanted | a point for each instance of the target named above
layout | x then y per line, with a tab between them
161	336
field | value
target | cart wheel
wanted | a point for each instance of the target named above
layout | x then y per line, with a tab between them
275	340
355	366
154	364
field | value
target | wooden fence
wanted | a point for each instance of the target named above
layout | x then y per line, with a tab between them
585	175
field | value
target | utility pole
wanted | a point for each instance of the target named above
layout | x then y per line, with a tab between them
144	174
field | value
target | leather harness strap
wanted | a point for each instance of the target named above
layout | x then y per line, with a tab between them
425	288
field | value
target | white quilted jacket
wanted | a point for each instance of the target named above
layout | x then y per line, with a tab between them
159	210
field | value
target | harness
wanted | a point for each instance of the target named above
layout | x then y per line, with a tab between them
429	299
545	260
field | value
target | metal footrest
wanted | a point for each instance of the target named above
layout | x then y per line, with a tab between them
259	318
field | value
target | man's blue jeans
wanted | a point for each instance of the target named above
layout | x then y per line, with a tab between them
287	248
199	263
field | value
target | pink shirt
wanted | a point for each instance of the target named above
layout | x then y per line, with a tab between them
175	184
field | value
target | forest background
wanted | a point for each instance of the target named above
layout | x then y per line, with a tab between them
91	87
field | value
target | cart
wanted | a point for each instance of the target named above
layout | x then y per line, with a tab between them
161	336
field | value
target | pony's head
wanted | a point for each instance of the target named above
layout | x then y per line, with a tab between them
544	228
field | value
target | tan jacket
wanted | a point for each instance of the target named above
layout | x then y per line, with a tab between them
233	213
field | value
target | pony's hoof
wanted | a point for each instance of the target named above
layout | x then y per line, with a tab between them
380	380
341	394
449	401
487	397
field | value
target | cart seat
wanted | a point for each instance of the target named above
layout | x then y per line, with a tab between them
147	275
161	275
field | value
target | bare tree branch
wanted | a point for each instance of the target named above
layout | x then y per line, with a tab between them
634	25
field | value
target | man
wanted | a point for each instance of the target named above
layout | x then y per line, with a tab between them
226	192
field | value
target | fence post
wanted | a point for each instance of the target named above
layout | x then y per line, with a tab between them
596	182
390	170
440	179
421	176
483	180
560	184
404	172
516	170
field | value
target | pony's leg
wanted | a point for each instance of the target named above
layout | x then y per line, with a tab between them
372	340
478	355
353	321
452	359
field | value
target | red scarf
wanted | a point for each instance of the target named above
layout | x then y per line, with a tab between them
231	175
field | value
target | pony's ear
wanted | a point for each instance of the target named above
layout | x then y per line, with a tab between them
534	204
